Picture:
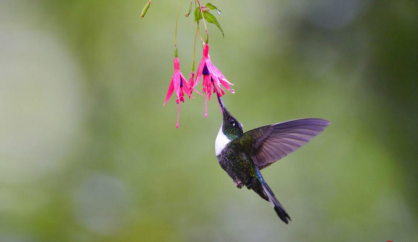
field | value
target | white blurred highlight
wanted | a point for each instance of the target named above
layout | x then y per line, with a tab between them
40	103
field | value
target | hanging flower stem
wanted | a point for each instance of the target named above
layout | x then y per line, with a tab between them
204	22
200	34
198	28
175	31
194	47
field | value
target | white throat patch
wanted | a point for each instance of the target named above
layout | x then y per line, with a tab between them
221	142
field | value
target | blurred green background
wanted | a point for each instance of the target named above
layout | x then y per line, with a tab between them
88	153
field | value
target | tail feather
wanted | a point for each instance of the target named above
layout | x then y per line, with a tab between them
272	199
276	204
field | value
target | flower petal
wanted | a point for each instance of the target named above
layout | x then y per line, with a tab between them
199	71
206	83
226	83
169	92
185	86
176	81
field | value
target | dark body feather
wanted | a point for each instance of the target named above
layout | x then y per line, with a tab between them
240	167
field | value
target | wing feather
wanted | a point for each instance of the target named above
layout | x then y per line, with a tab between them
273	142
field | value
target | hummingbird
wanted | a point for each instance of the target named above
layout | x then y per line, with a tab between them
244	155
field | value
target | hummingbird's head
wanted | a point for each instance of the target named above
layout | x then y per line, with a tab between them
231	128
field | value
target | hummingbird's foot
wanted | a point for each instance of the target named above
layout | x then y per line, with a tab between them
239	184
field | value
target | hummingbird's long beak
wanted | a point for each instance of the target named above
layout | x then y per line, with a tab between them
221	103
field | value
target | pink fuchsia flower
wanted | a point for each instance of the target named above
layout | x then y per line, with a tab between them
212	78
179	84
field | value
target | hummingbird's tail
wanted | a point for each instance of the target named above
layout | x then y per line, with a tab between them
272	199
276	204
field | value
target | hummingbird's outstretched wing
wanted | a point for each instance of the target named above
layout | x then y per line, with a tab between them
273	142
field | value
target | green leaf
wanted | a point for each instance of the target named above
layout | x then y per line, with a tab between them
212	19
213	7
197	14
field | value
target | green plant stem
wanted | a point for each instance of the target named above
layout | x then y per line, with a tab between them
175	32
194	46
204	21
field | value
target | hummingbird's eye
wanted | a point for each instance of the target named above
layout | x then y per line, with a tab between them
232	122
